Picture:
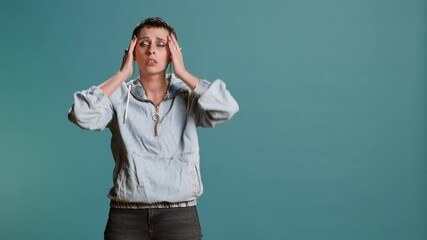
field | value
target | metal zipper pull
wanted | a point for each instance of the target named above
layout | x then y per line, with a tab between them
157	118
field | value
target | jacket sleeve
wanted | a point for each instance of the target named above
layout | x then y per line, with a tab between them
91	109
212	103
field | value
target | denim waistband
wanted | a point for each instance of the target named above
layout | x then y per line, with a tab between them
137	205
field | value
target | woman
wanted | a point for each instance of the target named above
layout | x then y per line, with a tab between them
153	121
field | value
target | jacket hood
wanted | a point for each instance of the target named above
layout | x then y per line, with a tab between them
176	86
135	88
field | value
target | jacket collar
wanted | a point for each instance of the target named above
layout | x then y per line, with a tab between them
176	86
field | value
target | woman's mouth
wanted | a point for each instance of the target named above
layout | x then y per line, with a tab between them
151	62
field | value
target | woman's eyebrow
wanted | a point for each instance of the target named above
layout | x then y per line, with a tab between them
146	37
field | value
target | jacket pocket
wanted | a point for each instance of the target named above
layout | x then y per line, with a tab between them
197	182
171	179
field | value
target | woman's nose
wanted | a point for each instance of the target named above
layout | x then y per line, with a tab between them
150	50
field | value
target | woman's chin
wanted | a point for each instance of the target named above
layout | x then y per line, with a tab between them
152	71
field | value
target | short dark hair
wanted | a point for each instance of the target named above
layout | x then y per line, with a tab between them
155	22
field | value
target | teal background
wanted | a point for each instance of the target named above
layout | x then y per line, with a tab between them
330	141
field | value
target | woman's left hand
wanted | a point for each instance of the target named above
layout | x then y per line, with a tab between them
176	56
178	63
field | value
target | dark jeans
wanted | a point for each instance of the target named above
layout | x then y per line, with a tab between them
180	223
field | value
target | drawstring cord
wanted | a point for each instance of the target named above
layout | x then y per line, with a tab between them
188	102
191	98
127	104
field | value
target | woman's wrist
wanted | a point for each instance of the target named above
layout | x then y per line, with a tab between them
124	73
189	79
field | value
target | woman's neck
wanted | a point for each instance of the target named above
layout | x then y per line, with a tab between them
155	86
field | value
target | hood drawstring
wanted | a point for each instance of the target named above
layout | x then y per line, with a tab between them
127	104
191	98
188	102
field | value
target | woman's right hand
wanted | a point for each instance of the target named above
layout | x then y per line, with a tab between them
128	58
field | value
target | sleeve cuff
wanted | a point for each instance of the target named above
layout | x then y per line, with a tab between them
97	92
99	95
201	87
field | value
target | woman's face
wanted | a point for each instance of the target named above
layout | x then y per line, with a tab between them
151	50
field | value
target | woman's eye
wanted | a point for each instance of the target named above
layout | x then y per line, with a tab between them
161	44
145	43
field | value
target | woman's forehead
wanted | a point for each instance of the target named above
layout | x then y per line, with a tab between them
153	32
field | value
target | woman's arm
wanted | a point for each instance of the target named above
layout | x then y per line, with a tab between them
210	103
92	108
178	63
109	86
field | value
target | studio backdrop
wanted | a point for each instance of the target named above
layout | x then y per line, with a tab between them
330	141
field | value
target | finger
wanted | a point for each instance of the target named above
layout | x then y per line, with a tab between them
172	47
128	58
174	39
174	42
170	43
129	52
132	43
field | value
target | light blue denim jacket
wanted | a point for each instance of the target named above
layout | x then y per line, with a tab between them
156	155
